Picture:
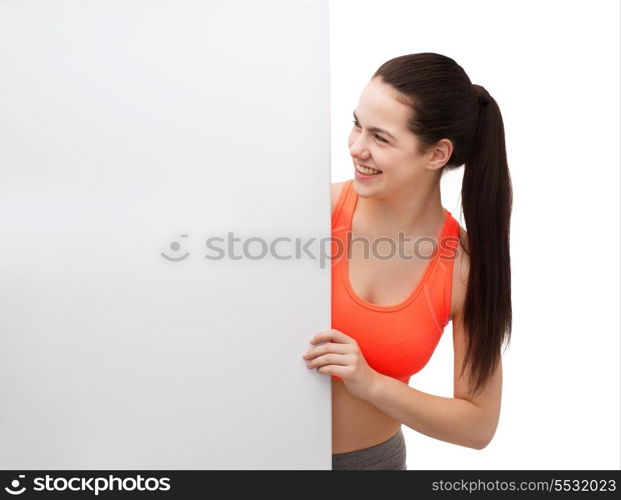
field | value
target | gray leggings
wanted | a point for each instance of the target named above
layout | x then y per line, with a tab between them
388	455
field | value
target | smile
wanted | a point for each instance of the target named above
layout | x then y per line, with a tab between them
367	170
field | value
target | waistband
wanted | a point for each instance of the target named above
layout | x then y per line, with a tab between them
396	438
388	455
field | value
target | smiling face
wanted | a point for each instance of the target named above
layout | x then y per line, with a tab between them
380	139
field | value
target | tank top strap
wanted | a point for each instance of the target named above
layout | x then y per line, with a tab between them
344	206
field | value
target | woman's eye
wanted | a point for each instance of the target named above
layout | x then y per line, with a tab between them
378	137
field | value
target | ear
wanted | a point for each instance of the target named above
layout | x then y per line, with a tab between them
440	154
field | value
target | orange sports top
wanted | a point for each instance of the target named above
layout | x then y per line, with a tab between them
395	340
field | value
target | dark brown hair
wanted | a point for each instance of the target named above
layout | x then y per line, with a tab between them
446	105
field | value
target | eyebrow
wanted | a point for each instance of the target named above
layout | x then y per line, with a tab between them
375	129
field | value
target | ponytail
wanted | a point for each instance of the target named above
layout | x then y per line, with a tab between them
487	203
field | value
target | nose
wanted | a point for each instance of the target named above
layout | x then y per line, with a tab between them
358	148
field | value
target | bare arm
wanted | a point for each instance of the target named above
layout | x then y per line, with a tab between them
463	420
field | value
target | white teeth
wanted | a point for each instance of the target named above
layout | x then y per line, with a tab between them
368	171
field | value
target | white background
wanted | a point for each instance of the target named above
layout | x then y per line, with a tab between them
553	68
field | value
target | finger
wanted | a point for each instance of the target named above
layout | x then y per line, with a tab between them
329	359
332	335
338	370
313	352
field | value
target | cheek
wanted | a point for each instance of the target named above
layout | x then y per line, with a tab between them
394	165
384	158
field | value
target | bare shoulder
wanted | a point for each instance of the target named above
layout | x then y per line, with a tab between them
335	191
461	269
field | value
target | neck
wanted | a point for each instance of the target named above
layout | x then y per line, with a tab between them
415	209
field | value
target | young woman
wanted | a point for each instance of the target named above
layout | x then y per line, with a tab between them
392	296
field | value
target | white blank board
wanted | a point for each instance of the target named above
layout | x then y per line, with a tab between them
130	130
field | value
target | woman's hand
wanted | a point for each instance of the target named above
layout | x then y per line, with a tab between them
342	357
